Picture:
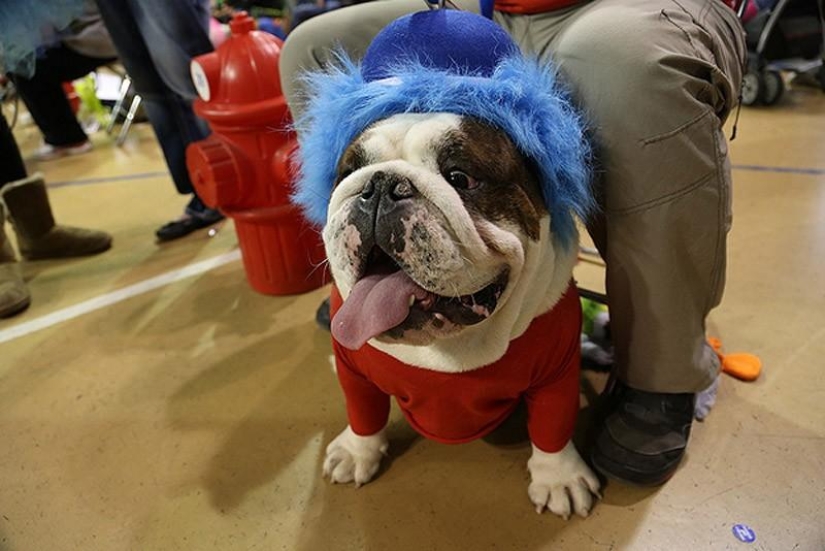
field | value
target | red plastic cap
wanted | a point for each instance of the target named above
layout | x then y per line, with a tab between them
242	23
215	172
245	69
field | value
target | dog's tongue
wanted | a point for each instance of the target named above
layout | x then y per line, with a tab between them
376	304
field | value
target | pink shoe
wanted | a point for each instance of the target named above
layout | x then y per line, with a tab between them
47	152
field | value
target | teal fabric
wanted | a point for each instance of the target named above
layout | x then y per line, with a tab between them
25	25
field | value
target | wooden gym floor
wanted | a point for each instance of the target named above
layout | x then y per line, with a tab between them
149	400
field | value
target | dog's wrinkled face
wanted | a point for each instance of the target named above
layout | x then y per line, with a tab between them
427	228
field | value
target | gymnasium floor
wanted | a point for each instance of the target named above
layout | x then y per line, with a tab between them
149	400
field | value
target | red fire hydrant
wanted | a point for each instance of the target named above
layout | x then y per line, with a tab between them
244	168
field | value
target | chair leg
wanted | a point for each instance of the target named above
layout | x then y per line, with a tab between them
128	122
125	84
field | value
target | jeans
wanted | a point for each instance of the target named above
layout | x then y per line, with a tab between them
44	96
156	40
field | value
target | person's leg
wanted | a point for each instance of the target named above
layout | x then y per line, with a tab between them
27	203
159	102
14	295
169	112
657	98
39	236
156	41
657	79
12	168
45	98
174	33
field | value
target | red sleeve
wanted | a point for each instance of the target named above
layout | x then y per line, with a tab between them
552	408
368	408
553	403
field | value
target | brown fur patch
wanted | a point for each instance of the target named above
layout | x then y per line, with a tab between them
508	190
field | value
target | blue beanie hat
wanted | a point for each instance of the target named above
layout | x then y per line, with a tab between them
447	61
449	40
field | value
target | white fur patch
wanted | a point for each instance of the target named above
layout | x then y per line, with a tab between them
354	458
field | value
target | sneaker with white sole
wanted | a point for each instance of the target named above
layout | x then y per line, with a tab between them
47	152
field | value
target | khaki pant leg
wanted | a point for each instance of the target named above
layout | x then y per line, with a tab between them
312	45
657	79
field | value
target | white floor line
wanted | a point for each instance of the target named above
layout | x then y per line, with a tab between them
114	297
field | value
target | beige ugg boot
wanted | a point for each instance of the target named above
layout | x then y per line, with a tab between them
38	236
14	295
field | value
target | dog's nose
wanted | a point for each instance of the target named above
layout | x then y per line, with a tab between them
393	185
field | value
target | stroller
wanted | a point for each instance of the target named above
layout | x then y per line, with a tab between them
786	37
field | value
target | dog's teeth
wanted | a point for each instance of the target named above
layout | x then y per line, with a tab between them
439	316
412	300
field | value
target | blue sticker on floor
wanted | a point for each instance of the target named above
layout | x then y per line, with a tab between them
744	533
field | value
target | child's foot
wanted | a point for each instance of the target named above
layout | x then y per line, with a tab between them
47	152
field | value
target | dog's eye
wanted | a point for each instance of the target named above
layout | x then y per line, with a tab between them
460	180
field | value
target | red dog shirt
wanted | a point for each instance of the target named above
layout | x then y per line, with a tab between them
541	366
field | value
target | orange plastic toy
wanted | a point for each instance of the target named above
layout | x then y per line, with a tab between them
741	365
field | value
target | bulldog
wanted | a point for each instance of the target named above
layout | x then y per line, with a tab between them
447	190
440	248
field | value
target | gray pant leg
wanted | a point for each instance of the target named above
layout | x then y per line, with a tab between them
312	44
657	78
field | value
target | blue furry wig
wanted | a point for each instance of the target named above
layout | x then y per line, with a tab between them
520	96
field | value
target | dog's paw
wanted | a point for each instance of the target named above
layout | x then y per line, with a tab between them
354	458
562	482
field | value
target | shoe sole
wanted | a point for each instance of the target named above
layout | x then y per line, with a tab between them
620	473
61	153
163	237
60	255
16	308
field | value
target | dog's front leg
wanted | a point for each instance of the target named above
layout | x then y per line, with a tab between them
356	453
561	482
354	458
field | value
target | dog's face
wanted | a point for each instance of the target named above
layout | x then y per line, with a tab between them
428	228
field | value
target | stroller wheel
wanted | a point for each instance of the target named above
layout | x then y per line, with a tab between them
753	84
773	87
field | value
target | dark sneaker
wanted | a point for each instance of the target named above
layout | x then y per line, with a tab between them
196	216
643	435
